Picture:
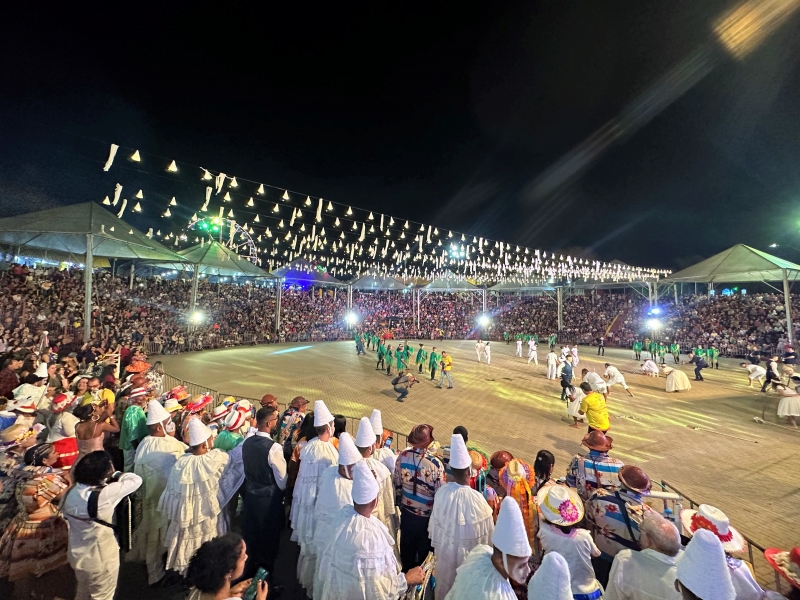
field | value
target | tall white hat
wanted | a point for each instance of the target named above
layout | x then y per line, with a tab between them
376	421
41	370
322	416
198	432
551	579
365	486
365	436
459	457
156	413
510	536
702	568
348	453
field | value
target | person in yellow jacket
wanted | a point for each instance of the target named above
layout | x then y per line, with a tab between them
447	365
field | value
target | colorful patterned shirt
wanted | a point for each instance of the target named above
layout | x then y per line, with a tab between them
418	475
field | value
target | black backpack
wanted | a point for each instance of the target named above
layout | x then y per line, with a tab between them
396	380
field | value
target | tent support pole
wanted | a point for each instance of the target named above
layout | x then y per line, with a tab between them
87	289
675	289
417	292
349	297
560	298
130	281
193	299
787	300
484	301
279	285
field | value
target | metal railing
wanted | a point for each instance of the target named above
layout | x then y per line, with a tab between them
750	543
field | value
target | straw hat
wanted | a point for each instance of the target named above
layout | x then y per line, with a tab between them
138	366
171	405
786	563
23	405
560	505
219	412
61	402
198	403
244	406
703	570
234	421
717	522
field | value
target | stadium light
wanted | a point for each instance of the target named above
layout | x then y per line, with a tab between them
656	311
198	316
351	318
484	321
773	245
654	324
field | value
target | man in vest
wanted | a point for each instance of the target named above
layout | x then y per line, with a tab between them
264	482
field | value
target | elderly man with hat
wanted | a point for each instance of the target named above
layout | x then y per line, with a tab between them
610	512
702	572
133	428
461	518
335	492
491	573
382	452
316	456
359	561
264	483
714	520
386	510
596	469
155	456
190	501
418	475
289	424
561	510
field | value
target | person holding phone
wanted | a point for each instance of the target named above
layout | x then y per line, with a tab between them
215	565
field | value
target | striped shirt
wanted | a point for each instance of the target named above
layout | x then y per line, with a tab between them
418	475
584	470
607	511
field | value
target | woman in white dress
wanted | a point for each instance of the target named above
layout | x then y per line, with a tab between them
677	381
789	405
576	396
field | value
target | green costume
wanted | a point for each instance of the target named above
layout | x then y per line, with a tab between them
422	354
227	440
389	358
407	352
398	356
637	350
536	337
133	427
433	363
381	351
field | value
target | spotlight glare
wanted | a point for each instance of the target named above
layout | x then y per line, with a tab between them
484	321
198	316
654	324
351	318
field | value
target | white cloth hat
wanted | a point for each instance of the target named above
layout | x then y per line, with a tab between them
510	536
198	432
717	522
459	457
348	453
322	416
551	579
703	570
156	413
365	486
365	436
376	421
41	370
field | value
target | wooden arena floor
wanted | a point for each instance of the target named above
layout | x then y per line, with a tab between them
749	470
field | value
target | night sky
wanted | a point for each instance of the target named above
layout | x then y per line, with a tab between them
445	113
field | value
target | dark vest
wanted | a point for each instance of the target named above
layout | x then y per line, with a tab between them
259	480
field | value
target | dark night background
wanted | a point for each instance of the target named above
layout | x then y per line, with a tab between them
438	112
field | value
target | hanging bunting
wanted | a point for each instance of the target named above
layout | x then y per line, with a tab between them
135	157
112	152
172	167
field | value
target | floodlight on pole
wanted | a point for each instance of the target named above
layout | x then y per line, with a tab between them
484	321
654	324
198	316
351	319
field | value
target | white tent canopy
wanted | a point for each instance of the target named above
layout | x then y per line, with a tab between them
304	273
214	258
450	284
378	282
741	264
85	229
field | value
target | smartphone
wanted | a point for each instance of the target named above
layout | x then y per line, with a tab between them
388	442
250	592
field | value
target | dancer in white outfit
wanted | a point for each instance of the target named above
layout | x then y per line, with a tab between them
519	349
479	349
613	376
552	364
575	355
532	354
488	352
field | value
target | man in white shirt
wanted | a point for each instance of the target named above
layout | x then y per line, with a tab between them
93	550
552	364
532	354
519	348
479	349
649	573
595	380
264	482
754	373
613	376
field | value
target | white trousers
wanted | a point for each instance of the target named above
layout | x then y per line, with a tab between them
488	358
98	585
533	356
551	372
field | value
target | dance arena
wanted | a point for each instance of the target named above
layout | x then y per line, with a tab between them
704	442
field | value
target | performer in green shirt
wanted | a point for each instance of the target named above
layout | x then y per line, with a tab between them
675	350
713	357
552	339
637	350
399	355
407	353
381	357
536	338
699	351
389	357
422	355
662	353
433	362
507	338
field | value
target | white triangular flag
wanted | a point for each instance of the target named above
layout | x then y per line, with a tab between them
233	182
166	213
138	208
106	201
250	202
172	168
260	189
135	156
285	195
